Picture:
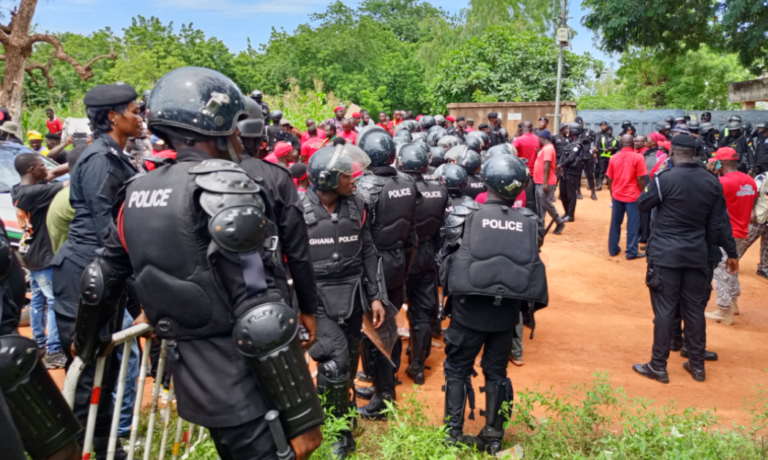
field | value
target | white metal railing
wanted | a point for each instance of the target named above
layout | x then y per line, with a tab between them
125	338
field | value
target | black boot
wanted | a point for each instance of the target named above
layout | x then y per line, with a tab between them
420	340
455	404
594	195
383	385
365	393
343	446
100	446
490	437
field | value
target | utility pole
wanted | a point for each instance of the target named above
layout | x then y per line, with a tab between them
562	40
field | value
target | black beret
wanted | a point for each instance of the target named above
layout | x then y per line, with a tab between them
684	140
109	95
482	125
493	115
603	123
460	117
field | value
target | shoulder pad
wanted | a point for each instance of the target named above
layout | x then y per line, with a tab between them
526	212
454	220
213	202
461	210
371	178
160	161
452	234
227	181
310	218
239	228
370	189
471	204
214	165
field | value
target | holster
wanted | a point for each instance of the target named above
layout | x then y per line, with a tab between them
41	415
267	335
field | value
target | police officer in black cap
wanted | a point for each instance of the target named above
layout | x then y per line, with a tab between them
735	138
258	96
392	200
588	162
208	268
485	308
346	266
421	284
495	130
677	266
100	172
571	163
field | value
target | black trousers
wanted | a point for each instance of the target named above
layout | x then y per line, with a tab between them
602	168
66	327
249	441
335	339
588	166
421	291
569	190
677	330
683	290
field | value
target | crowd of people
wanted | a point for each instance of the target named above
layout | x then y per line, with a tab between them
192	209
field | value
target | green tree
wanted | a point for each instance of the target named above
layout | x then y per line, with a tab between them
409	20
511	66
732	26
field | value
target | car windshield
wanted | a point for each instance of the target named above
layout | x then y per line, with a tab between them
8	175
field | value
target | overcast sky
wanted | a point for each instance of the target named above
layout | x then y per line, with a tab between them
232	21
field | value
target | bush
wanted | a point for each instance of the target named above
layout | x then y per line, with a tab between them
298	106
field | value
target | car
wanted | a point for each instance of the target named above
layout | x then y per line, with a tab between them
8	178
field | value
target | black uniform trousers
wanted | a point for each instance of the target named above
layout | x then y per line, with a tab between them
588	166
84	389
569	191
602	168
249	441
421	291
673	290
336	339
677	330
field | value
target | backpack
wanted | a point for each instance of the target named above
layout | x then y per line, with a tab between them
760	211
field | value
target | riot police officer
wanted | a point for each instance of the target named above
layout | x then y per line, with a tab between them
702	152
485	308
346	267
606	145
454	178
707	137
392	201
436	158
625	125
588	162
258	97
471	163
273	130
761	148
560	140
735	138
421	284
207	261
662	127
571	163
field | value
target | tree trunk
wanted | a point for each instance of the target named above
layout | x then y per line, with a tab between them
13	82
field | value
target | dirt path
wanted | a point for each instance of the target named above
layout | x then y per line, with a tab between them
600	320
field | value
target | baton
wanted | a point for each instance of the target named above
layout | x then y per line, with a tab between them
284	451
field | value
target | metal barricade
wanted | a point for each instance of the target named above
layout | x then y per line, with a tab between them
183	437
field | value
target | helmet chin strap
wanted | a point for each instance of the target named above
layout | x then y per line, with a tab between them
232	153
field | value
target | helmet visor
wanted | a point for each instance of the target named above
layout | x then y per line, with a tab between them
348	159
456	153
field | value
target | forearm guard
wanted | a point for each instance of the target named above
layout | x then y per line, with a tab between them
97	314
41	415
267	335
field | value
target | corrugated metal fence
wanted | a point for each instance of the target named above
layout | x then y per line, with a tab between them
645	120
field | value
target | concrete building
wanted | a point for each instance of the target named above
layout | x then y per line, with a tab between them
748	92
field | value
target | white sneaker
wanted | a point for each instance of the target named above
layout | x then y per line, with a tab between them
735	306
721	316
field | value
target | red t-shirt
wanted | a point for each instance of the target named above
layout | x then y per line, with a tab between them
311	146
740	194
526	146
547	154
350	136
386	127
305	137
55	126
624	169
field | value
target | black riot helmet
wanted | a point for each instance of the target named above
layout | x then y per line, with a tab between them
253	126
680	121
422	145
440	120
194	104
470	161
625	124
707	115
694	126
275	116
575	129
485	139
671	120
474	143
505	175
705	128
435	135
734	118
427	121
747	127
257	95
412	158
448	142
501	149
326	164
734	126
662	125
403	137
377	144
453	177
437	156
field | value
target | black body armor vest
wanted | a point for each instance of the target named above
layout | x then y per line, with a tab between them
475	186
499	256
428	220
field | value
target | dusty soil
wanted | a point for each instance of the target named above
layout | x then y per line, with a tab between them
600	320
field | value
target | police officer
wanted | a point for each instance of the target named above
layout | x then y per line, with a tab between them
454	178
761	148
485	313
282	207
707	137
735	138
392	201
625	125
206	260
677	267
427	121
571	164
702	151
560	140
99	174
670	120
706	117
662	127
421	284
588	162
258	96
606	145
471	163
273	130
436	158
346	266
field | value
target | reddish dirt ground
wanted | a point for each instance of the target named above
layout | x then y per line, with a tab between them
600	320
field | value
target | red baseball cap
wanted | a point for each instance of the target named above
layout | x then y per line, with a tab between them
282	148
725	154
418	118
450	118
356	115
338	108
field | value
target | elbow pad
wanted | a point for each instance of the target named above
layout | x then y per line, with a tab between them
97	313
268	336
